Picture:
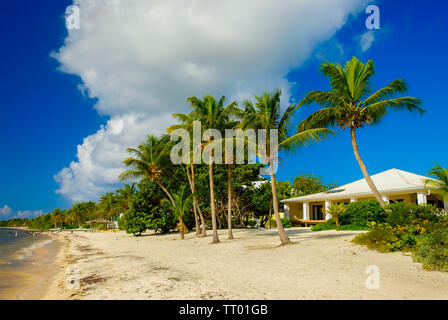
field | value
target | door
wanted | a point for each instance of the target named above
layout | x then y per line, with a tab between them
318	212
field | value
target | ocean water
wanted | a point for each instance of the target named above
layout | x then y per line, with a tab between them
26	264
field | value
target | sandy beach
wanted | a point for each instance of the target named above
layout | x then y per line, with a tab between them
320	265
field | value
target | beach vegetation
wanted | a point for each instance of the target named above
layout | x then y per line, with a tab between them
265	113
335	211
420	230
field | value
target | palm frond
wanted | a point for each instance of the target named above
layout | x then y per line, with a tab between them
305	138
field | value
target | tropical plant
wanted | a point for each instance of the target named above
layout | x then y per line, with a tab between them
212	114
441	184
181	205
335	210
125	196
149	157
108	206
361	213
57	217
308	184
351	104
148	210
266	114
187	124
433	252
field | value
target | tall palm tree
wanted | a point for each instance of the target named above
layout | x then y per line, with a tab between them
266	114
213	115
231	124
351	104
187	124
149	158
441	184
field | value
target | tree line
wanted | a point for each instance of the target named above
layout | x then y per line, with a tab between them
213	191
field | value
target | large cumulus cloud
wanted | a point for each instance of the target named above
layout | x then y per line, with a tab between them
146	56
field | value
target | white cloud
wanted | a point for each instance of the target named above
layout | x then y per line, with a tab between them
145	57
5	211
366	40
28	214
99	156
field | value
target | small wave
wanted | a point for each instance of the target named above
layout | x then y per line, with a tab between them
28	251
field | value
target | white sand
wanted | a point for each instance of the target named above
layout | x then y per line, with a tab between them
321	265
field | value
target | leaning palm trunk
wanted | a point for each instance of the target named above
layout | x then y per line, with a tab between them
283	236
212	202
166	192
364	169
196	219
201	216
229	202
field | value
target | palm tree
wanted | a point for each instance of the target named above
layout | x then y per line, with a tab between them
149	157
108	205
351	104
441	184
212	114
187	124
78	212
179	208
266	114
70	217
126	194
335	210
57	217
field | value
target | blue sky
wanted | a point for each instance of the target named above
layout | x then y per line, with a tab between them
45	115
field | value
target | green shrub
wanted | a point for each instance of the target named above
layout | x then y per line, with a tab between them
433	251
251	223
286	223
272	224
353	227
331	225
360	213
387	238
122	223
134	221
399	214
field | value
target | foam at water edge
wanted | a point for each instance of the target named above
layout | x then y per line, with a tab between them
27	251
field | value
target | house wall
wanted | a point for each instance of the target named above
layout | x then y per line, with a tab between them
295	211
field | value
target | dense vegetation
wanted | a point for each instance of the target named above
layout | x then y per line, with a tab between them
143	206
421	230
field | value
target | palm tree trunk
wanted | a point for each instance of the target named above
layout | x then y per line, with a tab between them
212	202
281	232
229	202
201	216
181	228
167	193
196	219
364	169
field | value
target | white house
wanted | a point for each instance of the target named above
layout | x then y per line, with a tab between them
394	185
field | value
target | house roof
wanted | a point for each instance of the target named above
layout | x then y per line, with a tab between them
390	181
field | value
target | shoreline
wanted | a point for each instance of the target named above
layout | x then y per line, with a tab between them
320	265
28	270
46	280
